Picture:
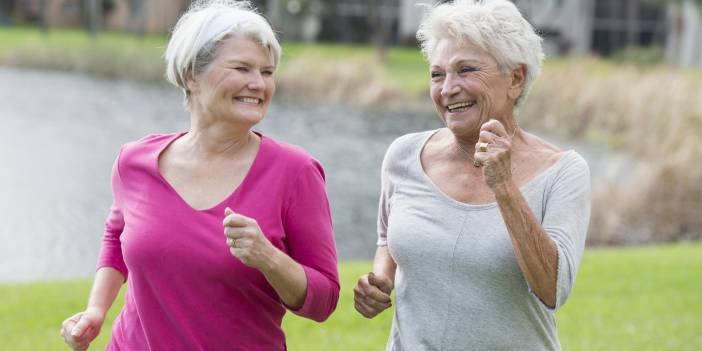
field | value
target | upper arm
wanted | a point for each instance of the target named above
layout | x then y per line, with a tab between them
566	219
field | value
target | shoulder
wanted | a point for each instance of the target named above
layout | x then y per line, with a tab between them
145	148
407	145
148	143
571	171
571	161
289	157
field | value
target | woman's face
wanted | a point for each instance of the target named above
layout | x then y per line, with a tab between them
467	87
238	85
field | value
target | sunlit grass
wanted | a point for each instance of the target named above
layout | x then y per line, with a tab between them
643	298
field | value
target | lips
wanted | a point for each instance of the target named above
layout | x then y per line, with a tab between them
248	100
460	106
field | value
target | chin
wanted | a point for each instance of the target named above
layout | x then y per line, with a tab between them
460	126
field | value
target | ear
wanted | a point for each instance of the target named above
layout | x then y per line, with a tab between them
192	85
518	76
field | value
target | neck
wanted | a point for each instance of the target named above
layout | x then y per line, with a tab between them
466	144
212	137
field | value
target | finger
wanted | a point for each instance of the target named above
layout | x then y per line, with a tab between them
238	252
68	325
360	288
486	136
495	127
80	328
373	290
376	305
72	319
481	158
235	232
228	211
376	294
238	220
365	310
382	282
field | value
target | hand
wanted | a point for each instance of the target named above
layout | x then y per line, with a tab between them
493	153
372	294
246	241
79	330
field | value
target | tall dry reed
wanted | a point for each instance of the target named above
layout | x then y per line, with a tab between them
653	114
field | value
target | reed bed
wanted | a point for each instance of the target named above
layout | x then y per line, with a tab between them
653	114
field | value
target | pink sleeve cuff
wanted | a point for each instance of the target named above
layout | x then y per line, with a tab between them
321	297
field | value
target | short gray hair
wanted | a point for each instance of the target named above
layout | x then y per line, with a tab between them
496	26
201	30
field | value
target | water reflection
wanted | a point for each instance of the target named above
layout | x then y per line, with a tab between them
61	133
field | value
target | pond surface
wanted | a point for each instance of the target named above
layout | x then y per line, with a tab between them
61	133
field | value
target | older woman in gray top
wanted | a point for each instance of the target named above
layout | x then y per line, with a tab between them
481	225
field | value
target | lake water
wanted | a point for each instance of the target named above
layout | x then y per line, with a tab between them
61	133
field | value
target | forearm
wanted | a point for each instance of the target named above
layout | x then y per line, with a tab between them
105	288
287	278
383	263
535	251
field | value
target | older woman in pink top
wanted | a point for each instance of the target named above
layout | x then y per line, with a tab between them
220	229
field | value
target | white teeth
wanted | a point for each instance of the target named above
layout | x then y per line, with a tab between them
249	100
460	105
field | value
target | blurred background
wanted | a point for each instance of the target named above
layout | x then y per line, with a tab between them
622	85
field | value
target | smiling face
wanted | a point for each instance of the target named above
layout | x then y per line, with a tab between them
238	85
468	88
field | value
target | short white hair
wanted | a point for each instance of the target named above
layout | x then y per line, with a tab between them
201	30
495	26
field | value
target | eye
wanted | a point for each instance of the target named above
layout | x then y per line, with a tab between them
267	73
467	69
242	69
436	75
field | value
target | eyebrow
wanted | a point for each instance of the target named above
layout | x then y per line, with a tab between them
462	62
239	62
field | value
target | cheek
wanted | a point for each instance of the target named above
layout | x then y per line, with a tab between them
271	89
435	94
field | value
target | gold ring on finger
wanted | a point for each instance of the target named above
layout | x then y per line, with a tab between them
483	147
477	163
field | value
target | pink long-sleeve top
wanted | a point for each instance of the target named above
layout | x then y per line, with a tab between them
185	291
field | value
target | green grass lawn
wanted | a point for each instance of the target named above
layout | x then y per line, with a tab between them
644	298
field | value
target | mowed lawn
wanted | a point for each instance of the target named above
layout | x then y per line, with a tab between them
646	298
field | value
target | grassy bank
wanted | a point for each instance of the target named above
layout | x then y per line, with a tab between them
652	113
643	298
334	71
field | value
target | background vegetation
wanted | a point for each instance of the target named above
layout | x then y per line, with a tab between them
643	298
652	113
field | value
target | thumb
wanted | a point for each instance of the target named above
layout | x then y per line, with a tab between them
80	328
228	211
385	285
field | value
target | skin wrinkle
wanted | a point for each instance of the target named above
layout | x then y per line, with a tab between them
527	237
463	72
495	94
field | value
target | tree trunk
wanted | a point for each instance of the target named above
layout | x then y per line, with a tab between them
43	15
94	16
675	29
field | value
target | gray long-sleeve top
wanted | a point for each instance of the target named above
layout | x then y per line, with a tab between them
458	285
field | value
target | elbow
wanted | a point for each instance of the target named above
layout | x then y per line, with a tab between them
330	306
321	299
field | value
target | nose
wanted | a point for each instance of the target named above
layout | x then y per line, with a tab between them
449	87
256	81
